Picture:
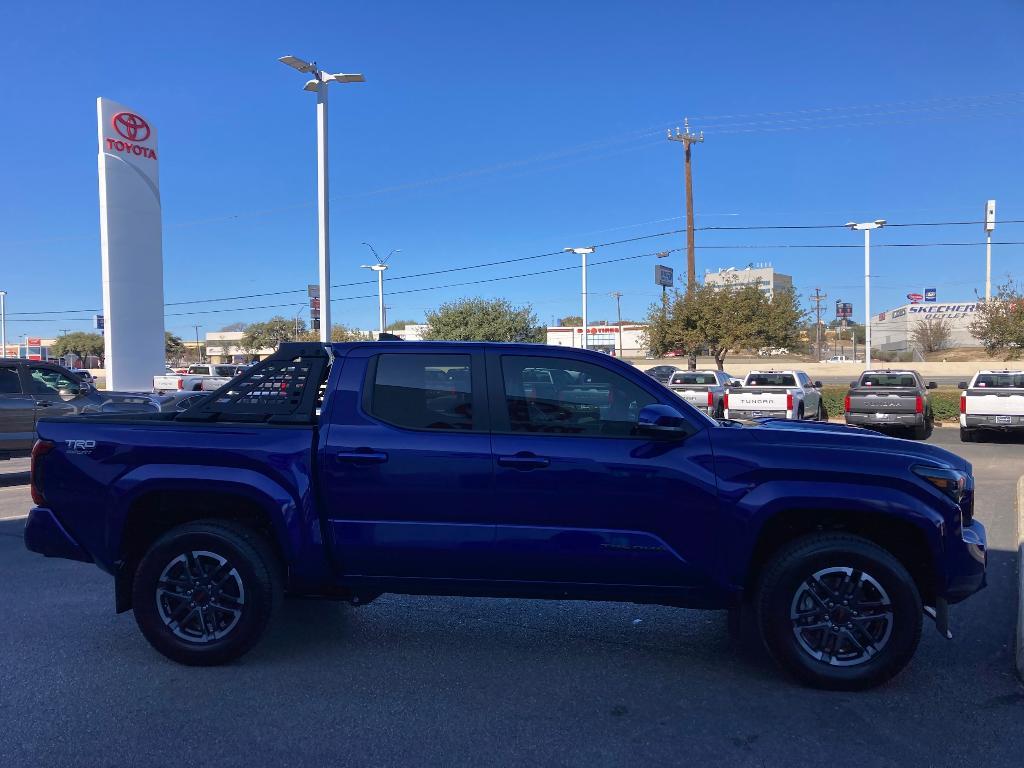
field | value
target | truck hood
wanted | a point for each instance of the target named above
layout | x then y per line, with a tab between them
795	435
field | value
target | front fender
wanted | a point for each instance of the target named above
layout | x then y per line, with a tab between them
767	500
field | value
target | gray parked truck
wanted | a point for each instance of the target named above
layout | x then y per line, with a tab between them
31	389
888	399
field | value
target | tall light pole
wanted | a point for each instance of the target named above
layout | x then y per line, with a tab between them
199	356
686	137
3	323
866	227
583	252
380	268
319	84
990	224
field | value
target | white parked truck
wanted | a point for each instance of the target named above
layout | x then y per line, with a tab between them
993	401
776	394
199	377
704	390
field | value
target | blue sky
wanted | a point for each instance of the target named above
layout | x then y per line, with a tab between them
492	131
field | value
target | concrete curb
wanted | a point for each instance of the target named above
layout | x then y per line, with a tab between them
1020	577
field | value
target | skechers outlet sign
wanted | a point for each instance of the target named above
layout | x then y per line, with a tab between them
131	130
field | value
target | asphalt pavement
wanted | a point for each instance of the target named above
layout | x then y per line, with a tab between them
475	682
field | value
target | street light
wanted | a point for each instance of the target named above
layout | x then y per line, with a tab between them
583	252
3	323
319	84
866	227
380	267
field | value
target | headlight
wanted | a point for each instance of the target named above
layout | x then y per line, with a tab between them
951	482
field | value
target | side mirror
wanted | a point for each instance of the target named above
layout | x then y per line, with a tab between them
932	385
853	385
817	385
962	385
662	421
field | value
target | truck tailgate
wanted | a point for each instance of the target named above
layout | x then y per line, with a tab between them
166	383
694	394
992	402
758	399
882	401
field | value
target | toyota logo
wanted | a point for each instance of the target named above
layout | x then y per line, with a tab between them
131	126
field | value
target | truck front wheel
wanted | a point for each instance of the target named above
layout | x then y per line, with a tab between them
838	611
205	591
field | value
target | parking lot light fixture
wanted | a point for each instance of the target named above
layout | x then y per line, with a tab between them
379	268
318	84
866	228
583	252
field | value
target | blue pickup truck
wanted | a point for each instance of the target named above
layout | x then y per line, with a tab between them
352	470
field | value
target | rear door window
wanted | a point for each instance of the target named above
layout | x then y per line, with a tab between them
423	391
771	380
10	381
696	379
1000	380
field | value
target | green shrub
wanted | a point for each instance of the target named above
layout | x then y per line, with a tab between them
945	402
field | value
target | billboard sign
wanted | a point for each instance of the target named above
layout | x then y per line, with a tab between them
97	322
929	294
663	276
131	242
844	309
915	297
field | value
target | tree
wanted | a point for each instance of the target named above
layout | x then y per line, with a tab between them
480	319
237	326
174	347
339	333
399	325
271	333
1000	323
570	321
931	334
723	318
79	343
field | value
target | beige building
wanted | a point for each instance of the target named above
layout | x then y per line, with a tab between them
604	338
763	276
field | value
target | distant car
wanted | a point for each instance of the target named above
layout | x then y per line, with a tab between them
776	394
840	359
662	373
704	390
675	353
176	402
83	374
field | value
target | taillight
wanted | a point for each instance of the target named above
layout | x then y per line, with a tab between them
725	401
789	401
846	404
711	400
39	449
919	405
963	403
181	383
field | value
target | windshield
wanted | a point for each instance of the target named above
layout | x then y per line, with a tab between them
888	380
1001	380
770	380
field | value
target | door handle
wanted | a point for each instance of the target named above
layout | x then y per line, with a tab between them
523	461
361	456
43	403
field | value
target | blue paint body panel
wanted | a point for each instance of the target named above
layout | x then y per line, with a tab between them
358	504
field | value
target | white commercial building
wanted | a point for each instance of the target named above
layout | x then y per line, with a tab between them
893	330
604	338
763	276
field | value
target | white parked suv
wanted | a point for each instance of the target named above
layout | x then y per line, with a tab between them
776	394
993	401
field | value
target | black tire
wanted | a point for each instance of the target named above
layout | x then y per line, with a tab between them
255	577
800	412
968	436
784	585
720	412
920	432
822	412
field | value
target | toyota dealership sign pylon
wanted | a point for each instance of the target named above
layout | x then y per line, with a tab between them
131	238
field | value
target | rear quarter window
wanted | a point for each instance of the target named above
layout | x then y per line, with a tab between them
422	391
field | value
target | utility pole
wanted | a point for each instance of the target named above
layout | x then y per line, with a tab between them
686	137
3	323
199	357
618	311
818	298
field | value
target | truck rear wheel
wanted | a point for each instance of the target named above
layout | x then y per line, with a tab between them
838	612
205	591
968	435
